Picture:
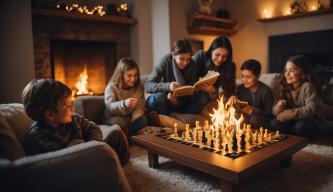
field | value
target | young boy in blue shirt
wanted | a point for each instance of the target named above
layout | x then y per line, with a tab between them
50	104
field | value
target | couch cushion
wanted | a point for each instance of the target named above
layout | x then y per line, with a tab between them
272	80
90	107
10	147
17	119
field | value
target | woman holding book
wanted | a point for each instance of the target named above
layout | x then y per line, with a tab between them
218	58
175	69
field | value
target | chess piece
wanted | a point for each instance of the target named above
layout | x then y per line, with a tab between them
277	134
191	136
187	131
266	134
212	143
242	141
234	142
261	131
204	139
175	130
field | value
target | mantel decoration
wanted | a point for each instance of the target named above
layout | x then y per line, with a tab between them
297	8
204	7
75	7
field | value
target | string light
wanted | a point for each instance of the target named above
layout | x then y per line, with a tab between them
84	9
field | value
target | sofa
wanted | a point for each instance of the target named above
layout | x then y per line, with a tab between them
91	166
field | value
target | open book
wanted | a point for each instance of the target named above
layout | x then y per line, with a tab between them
209	78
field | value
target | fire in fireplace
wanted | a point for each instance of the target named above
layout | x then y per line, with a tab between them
84	66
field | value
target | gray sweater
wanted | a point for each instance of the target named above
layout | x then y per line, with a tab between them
163	74
306	102
262	98
114	99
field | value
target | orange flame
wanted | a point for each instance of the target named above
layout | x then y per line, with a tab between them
81	85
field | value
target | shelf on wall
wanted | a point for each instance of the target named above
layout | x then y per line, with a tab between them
80	16
208	25
298	15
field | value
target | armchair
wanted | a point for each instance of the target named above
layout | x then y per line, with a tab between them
91	166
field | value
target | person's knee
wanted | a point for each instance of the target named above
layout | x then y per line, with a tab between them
157	102
304	128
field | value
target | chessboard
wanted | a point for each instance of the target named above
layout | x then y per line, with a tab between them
233	148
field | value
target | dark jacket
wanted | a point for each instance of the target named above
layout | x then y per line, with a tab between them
42	138
204	64
262	99
163	74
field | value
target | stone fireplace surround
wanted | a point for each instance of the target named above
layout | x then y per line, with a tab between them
47	28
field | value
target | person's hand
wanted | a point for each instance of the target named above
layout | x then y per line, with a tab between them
233	100
206	87
173	85
249	110
281	104
75	142
172	98
285	115
131	103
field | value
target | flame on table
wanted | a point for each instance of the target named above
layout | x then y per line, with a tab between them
224	117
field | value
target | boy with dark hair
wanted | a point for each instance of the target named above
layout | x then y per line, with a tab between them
50	104
258	96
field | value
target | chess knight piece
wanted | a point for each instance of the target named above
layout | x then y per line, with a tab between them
205	8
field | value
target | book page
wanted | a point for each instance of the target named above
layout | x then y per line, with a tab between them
209	78
184	90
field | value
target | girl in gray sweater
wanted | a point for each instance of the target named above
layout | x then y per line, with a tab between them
124	98
297	108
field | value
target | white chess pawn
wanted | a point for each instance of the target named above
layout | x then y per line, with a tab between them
277	134
187	131
261	131
266	134
175	130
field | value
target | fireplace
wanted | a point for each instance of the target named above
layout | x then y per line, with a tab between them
317	46
67	44
69	58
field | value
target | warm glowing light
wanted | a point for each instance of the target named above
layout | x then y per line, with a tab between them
314	8
81	85
266	14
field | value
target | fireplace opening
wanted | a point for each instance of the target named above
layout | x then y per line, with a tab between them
79	63
317	46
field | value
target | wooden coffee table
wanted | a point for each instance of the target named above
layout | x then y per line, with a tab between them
232	172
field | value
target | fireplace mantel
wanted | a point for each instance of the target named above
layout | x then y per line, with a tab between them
79	16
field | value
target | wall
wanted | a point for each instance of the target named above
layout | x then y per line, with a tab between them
180	13
160	29
16	50
251	40
141	35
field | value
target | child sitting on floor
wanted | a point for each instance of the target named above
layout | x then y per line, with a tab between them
257	97
50	104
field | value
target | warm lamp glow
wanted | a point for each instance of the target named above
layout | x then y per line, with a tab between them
314	8
266	14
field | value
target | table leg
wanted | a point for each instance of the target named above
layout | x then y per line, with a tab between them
152	160
227	186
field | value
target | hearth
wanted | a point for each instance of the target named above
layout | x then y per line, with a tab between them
317	46
66	44
71	58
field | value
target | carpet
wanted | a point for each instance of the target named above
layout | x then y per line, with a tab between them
311	170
